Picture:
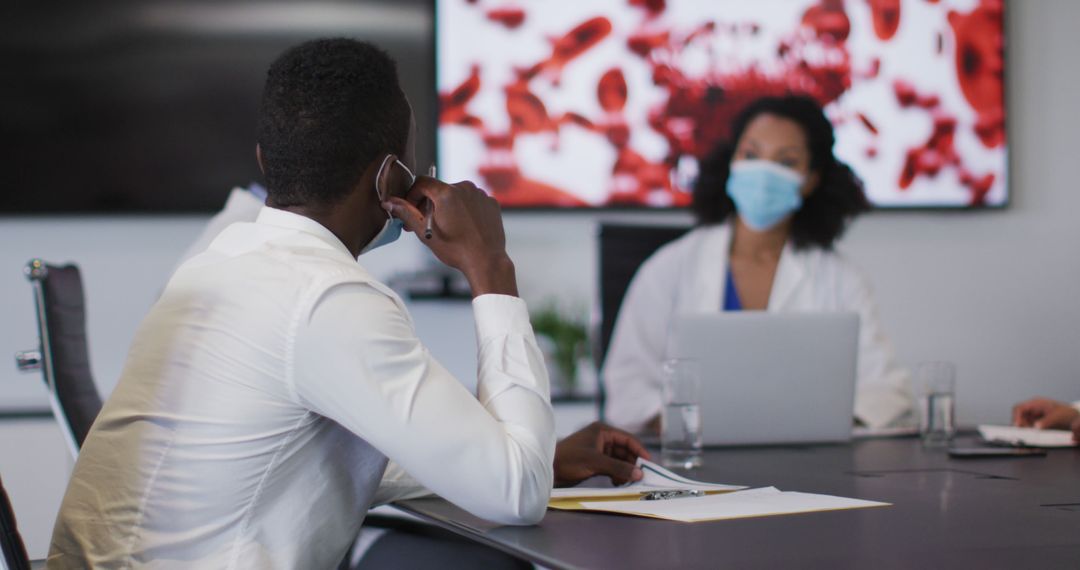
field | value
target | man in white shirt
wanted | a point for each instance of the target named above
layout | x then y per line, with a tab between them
273	380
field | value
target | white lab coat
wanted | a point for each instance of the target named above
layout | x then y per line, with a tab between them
688	276
241	206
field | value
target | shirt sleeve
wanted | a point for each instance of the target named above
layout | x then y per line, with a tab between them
358	361
883	389
631	372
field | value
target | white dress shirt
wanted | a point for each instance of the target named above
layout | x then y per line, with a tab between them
688	276
262	397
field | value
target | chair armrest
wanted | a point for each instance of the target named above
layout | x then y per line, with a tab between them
26	360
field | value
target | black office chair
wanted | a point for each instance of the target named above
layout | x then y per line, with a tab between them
623	248
63	356
11	542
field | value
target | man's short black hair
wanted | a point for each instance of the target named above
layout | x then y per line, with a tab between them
329	108
825	213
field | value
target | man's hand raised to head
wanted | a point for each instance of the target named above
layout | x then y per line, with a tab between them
467	231
598	449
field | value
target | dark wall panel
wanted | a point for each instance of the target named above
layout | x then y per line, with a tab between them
151	106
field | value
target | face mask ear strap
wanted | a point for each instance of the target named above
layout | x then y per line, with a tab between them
412	176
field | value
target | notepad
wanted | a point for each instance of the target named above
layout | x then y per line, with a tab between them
654	478
1027	437
762	502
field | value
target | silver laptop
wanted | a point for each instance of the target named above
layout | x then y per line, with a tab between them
771	378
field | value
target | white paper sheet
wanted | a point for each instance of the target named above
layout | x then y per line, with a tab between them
767	501
655	478
891	431
1029	437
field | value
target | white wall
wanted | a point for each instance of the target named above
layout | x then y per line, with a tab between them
992	291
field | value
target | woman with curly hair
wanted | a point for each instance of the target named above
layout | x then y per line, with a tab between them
769	207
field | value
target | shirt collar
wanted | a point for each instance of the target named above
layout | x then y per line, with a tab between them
282	219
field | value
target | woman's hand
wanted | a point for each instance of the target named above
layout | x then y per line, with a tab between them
1043	413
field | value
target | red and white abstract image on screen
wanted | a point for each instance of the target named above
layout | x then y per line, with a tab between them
601	103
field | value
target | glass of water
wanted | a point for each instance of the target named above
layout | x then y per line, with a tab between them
937	420
680	421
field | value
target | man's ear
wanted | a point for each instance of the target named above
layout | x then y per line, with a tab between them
384	179
258	158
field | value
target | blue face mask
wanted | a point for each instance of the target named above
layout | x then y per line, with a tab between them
391	230
764	192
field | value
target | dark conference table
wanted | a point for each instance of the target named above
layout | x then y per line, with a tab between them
959	513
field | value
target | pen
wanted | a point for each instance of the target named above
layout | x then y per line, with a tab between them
430	206
672	494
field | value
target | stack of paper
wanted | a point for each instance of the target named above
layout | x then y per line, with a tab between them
1027	437
720	502
763	502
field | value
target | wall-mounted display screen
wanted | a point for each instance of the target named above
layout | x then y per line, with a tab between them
610	103
151	106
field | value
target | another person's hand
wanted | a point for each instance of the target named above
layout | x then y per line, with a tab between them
598	449
1043	413
467	231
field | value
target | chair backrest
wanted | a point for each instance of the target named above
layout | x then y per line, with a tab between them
623	248
14	551
65	360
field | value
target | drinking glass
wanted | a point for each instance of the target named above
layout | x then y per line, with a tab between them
680	421
937	420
